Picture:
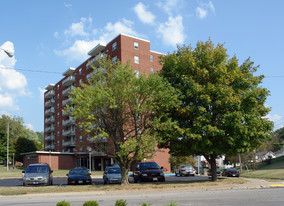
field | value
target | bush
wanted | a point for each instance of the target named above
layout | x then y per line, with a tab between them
91	203
145	204
120	203
173	203
63	203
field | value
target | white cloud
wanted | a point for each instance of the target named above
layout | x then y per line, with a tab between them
201	13
12	83
172	31
30	126
67	5
78	29
204	8
145	16
78	51
169	5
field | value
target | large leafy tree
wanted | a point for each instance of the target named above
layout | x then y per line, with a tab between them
222	110
16	131
118	107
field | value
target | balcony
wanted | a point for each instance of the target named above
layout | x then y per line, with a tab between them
68	81
49	103
66	101
69	144
94	61
97	139
49	111
50	129
69	133
68	122
49	146
65	92
49	120
49	137
49	94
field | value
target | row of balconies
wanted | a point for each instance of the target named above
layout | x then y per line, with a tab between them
49	137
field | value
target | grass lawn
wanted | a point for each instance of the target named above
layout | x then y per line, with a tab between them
17	173
8	191
275	170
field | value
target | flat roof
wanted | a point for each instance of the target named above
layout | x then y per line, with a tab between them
96	50
69	71
49	87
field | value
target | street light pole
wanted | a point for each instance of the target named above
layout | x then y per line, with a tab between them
90	159
8	146
10	54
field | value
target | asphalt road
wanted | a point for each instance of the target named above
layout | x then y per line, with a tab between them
252	197
16	182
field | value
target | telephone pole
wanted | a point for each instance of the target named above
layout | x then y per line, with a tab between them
8	147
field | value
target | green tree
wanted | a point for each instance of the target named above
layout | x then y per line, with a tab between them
23	145
121	112
181	160
222	109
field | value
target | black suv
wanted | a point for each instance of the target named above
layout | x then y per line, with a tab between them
148	172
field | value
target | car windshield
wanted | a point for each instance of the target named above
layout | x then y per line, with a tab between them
114	170
37	169
78	172
149	166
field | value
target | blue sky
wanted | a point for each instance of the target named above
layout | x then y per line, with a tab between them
54	35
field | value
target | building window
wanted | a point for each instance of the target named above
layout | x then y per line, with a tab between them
81	138
57	133
58	96
58	143
58	86
57	124
114	59
80	81
80	71
151	58
136	59
57	114
136	72
81	149
136	45
57	105
152	70
114	46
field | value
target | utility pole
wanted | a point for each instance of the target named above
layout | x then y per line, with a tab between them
8	147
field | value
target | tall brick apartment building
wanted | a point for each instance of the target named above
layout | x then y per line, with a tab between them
64	145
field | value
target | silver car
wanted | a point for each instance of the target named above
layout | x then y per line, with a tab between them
112	175
185	170
38	174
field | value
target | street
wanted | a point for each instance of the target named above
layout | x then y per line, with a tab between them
252	197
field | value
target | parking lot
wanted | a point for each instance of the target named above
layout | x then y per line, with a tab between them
18	182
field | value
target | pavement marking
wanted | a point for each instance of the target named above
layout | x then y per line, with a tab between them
278	185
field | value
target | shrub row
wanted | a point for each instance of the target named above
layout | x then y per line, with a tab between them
117	203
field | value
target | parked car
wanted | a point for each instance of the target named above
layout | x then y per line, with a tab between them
112	175
185	170
218	172
38	174
231	172
79	176
148	172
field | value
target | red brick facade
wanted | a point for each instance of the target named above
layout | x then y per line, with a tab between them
65	141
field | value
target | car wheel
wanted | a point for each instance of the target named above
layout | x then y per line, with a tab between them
24	184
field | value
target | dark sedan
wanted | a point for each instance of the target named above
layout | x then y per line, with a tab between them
79	176
231	172
148	172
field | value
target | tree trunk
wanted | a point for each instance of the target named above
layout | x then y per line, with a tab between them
212	161
124	176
